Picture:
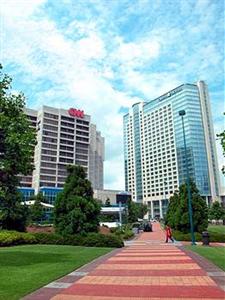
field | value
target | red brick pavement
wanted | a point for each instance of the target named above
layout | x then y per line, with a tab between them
148	269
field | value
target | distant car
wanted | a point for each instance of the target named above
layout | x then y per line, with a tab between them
147	227
153	220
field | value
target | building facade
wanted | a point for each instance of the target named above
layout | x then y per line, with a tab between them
63	137
114	196
154	155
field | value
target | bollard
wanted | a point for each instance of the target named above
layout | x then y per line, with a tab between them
205	238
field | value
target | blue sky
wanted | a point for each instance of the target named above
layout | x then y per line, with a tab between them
104	55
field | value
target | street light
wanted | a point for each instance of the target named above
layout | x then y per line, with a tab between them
182	114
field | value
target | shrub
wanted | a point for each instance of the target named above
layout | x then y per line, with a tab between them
10	238
124	232
128	235
180	236
217	237
101	240
48	238
213	237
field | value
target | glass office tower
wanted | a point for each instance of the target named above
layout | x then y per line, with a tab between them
154	147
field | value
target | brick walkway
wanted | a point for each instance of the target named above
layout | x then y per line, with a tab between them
146	269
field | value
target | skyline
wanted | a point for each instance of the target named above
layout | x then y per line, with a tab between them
123	52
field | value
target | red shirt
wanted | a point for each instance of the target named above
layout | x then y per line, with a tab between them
168	232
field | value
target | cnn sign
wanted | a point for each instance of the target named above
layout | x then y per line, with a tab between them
76	113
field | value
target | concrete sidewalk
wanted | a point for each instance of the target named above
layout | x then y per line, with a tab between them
146	269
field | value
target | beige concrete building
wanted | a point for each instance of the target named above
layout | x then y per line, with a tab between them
64	137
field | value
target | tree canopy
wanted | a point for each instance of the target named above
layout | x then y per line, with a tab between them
216	211
36	210
177	215
136	210
221	136
17	141
76	211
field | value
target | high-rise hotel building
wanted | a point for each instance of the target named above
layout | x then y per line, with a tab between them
154	147
63	137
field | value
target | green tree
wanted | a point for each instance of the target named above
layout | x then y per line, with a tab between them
76	211
36	210
216	212
177	214
221	136
136	210
17	141
142	210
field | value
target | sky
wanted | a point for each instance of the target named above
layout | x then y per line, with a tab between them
102	56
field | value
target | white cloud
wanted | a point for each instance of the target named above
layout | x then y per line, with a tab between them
81	60
20	8
137	53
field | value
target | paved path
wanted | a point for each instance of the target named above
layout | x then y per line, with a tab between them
147	269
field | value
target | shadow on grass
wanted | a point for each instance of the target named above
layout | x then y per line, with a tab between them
28	258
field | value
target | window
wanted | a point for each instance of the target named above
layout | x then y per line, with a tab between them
49	127
48	165
52	122
81	157
67	119
67	160
66	142
47	178
82	133
68	148
48	171
49	133
68	154
50	152
66	124
48	158
51	116
78	138
63	129
81	163
82	122
67	136
51	146
48	139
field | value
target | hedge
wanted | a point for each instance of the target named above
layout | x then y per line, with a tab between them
180	236
213	237
10	238
124	232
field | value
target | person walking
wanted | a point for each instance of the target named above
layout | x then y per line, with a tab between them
169	234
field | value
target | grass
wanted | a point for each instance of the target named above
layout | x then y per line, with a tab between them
214	254
216	229
27	268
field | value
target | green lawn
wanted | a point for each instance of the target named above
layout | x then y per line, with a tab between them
24	269
217	229
215	254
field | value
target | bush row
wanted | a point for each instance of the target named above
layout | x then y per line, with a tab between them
125	232
10	238
213	237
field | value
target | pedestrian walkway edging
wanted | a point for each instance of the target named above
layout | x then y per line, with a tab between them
53	288
217	274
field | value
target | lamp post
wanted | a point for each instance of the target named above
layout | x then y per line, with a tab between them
120	214
182	114
164	193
